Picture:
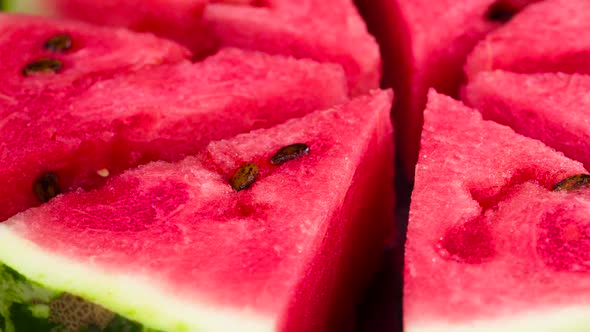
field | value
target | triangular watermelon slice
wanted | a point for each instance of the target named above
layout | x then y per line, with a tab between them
424	44
549	36
490	246
323	30
550	107
81	53
53	144
214	242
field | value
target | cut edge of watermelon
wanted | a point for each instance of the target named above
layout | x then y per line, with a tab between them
569	319
143	302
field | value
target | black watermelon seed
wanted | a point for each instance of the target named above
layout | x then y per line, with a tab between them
43	66
573	182
289	152
58	43
46	187
244	177
500	12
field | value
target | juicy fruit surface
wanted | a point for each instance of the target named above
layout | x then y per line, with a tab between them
424	44
163	113
95	53
274	250
302	28
309	28
527	44
552	108
179	20
483	211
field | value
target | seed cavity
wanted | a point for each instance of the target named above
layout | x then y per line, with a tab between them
43	66
59	43
573	182
46	187
244	177
289	152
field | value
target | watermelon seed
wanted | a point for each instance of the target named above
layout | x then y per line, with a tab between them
58	43
500	12
244	177
46	187
573	182
43	66
103	172
289	152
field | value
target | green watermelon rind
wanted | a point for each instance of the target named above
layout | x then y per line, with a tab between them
25	6
126	295
24	306
21	302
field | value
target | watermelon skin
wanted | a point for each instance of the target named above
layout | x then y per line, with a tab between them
496	260
533	105
177	249
163	113
527	43
32	307
424	44
96	53
312	29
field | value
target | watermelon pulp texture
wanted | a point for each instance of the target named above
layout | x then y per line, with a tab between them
424	44
550	107
162	113
286	254
94	53
323	30
527	44
179	20
490	247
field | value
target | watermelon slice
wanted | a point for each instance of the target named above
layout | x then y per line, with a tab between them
180	20
424	44
490	246
214	242
82	54
551	107
528	43
327	31
52	144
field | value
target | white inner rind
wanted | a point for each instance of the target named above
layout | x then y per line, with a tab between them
569	319
131	296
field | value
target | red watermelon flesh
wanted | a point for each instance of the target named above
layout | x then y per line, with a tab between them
285	254
490	246
324	30
549	36
424	44
550	107
162	113
93	54
179	20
